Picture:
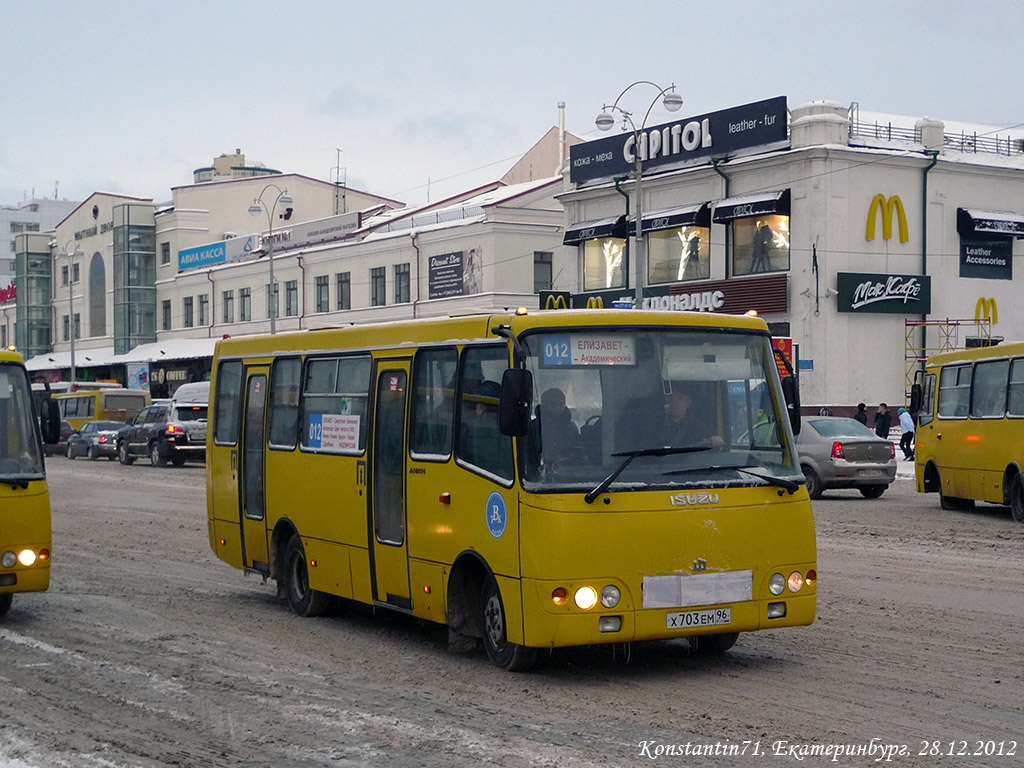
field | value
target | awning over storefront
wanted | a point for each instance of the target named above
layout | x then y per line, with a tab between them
673	218
589	230
755	204
172	349
971	222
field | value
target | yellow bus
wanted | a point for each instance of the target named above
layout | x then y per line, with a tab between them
25	540
522	478
101	404
970	431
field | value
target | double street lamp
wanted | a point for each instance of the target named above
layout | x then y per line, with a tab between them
258	206
672	101
71	300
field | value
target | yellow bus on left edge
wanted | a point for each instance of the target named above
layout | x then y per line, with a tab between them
24	498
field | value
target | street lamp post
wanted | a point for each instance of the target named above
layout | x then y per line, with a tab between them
71	301
258	206
672	101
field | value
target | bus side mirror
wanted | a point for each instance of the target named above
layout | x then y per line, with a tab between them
915	398
791	393
50	421
516	396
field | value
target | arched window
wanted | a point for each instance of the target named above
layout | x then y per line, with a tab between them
97	296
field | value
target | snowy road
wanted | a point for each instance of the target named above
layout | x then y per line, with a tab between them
147	651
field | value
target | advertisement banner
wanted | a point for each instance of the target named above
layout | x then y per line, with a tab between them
990	259
138	375
714	133
445	275
201	256
893	294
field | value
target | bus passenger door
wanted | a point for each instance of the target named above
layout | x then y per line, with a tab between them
388	545
254	525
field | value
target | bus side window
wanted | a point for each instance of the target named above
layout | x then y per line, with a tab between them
1016	399
480	440
284	403
433	403
927	412
228	405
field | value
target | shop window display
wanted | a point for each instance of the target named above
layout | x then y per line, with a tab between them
674	255
760	244
602	263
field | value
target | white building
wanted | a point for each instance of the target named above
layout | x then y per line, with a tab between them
838	230
159	284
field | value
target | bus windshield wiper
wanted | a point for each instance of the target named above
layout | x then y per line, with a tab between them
665	450
20	481
790	485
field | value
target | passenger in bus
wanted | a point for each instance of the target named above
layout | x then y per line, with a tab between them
553	435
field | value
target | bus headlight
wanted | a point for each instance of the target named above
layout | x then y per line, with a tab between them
796	581
610	596
777	583
8	559
26	557
586	598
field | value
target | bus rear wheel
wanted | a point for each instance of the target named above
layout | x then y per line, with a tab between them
5	603
510	656
1017	499
302	600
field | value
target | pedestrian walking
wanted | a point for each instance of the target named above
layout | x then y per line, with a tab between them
862	414
883	420
907	427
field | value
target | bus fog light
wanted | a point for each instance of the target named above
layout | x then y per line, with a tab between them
609	623
610	596
776	610
796	581
812	578
8	559
777	584
586	598
26	557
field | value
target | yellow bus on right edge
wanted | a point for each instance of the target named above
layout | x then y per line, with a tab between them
970	432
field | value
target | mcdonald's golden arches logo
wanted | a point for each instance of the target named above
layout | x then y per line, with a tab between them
595	302
556	301
887	207
986	309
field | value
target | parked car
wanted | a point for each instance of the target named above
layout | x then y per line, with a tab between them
167	432
95	439
66	430
837	452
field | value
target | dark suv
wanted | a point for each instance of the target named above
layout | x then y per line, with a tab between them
173	432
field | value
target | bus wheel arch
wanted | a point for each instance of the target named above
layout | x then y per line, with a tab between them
465	580
5	602
283	532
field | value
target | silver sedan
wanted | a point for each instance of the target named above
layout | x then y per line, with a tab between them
837	452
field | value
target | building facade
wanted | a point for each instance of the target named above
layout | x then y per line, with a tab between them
35	215
868	246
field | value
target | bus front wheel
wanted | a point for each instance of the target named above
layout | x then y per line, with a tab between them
711	645
303	601
1017	499
510	656
5	603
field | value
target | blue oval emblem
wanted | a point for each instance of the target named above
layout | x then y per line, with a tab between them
497	516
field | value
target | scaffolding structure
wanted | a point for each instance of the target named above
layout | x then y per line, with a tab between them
947	339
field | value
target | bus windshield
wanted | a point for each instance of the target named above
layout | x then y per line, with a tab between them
21	456
600	396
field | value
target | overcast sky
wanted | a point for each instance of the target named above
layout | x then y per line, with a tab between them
131	97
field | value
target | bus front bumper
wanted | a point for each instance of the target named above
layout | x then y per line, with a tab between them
548	625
